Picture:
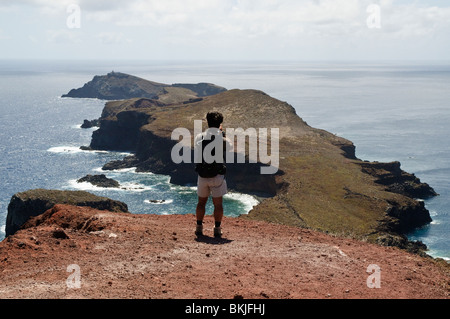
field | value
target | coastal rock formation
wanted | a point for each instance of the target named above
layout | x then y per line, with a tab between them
35	202
124	130
99	180
320	183
118	86
398	181
90	123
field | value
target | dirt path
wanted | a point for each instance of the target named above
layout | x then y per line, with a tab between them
121	255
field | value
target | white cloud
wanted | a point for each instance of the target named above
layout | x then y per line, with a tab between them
63	36
112	38
247	27
254	18
44	6
3	35
412	21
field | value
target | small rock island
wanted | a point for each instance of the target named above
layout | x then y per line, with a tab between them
119	86
100	181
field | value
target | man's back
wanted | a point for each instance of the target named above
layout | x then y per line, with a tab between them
210	149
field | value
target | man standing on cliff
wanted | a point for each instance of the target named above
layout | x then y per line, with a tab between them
209	149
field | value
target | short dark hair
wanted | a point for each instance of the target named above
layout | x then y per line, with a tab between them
214	119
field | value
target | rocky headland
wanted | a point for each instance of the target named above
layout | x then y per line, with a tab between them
34	202
320	183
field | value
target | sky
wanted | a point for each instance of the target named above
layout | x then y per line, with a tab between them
225	29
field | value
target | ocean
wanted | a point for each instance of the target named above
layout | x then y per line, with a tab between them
391	111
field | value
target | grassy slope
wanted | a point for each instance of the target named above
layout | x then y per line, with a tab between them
323	189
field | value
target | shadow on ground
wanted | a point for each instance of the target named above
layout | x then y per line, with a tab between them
212	240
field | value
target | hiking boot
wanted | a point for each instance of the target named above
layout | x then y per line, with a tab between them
218	232
199	230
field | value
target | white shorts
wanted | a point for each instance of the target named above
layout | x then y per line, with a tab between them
215	186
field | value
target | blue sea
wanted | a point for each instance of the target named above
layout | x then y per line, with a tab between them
391	111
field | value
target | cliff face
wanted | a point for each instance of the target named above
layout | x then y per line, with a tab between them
35	202
320	183
120	134
118	86
398	181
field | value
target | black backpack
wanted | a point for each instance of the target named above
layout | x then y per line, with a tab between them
209	170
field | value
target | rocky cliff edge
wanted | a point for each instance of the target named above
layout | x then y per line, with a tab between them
81	252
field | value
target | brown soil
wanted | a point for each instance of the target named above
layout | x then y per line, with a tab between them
124	255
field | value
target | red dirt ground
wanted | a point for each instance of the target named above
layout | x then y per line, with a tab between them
122	255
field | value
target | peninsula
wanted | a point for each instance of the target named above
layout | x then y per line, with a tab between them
320	184
325	219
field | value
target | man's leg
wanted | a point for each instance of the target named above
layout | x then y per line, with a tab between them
218	215
200	214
